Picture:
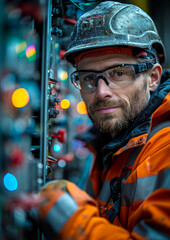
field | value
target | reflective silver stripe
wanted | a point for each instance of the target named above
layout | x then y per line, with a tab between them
127	193
59	215
147	231
105	191
145	186
139	190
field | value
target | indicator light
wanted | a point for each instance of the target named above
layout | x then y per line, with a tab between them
31	53
20	98
57	148
65	104
63	75
20	48
10	182
61	163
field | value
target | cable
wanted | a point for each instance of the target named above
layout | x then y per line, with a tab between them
70	20
76	5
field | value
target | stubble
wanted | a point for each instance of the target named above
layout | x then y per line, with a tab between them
113	123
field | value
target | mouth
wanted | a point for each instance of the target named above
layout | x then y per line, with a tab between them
107	110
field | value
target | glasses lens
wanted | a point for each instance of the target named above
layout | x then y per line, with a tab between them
116	77
75	80
120	75
87	80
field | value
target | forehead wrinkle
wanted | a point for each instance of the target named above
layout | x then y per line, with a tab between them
102	62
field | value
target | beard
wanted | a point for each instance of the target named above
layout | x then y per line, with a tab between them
113	123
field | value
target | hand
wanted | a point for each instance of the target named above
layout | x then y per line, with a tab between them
60	200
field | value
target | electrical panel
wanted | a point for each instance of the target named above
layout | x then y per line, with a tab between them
41	112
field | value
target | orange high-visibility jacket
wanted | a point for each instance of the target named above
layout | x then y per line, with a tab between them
145	191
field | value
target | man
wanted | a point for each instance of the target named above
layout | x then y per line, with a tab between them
118	55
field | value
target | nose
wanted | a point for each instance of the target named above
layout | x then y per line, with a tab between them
103	91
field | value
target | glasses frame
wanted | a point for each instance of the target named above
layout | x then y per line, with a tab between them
138	68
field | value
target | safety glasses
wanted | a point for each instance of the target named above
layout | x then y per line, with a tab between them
116	76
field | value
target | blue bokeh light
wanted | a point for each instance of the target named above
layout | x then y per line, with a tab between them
10	182
57	148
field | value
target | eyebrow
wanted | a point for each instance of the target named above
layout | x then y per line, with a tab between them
112	66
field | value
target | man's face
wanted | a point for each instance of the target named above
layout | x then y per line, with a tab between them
113	109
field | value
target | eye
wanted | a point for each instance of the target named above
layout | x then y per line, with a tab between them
118	73
89	78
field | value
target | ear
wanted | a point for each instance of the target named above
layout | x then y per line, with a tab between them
155	77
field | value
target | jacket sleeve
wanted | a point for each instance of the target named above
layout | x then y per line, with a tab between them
70	213
67	212
150	221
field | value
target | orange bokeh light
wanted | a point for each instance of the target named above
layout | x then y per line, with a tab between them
65	104
63	75
20	98
81	108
